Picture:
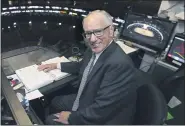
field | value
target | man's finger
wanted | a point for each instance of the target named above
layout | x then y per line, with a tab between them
56	120
42	67
56	115
46	70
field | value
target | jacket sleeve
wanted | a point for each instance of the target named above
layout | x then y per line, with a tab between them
71	67
114	92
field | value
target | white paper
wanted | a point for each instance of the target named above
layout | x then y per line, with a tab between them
33	95
125	48
174	102
14	76
34	79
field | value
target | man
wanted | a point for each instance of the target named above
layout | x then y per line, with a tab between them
107	80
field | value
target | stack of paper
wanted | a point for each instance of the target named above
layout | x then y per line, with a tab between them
34	79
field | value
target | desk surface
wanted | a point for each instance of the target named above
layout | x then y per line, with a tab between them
14	61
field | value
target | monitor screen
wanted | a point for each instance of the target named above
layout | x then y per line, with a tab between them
148	31
176	51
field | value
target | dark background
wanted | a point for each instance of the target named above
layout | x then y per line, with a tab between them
24	35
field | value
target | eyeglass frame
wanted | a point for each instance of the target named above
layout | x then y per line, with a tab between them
94	32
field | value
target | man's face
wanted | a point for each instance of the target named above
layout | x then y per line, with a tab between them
97	34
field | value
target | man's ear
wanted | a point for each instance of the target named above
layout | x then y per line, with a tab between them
111	31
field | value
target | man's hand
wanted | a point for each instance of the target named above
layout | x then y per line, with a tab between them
62	117
47	67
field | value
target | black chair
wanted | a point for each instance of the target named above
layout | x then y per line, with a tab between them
151	107
173	86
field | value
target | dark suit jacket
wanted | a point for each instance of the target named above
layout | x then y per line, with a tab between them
109	96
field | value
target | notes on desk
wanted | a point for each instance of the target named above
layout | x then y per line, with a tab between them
33	95
34	79
29	95
126	49
15	81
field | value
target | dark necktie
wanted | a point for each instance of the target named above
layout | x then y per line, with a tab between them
83	82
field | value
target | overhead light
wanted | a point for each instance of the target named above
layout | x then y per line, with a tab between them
29	2
74	26
23	7
2	28
74	3
30	22
12	8
45	22
47	7
10	2
83	15
9	27
119	20
4	8
66	8
14	23
78	10
14	26
63	12
115	24
59	23
48	2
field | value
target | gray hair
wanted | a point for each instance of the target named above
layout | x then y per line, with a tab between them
107	17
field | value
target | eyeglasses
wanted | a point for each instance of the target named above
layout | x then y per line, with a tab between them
97	33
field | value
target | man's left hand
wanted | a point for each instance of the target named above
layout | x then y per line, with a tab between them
62	117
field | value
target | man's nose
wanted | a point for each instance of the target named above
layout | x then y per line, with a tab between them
93	38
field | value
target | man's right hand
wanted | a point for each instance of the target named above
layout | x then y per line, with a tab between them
47	67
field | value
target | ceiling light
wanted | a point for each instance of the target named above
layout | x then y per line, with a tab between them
74	26
74	3
4	8
30	22
10	2
66	8
9	27
2	28
115	24
59	23
45	22
29	2
14	23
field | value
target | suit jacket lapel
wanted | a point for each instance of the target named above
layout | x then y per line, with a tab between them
101	60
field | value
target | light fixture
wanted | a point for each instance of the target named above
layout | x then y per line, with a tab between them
59	23
74	26
83	15
10	2
14	26
48	2
74	3
2	28
30	22
66	8
45	22
4	8
9	27
14	23
29	2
